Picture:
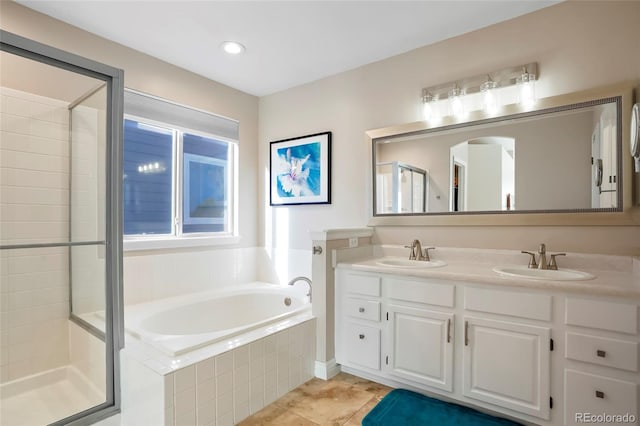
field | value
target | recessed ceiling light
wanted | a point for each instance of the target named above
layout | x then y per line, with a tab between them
232	47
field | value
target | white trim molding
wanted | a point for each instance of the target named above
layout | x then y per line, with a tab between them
326	370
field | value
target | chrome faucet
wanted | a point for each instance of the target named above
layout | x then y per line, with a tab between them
542	261
417	253
416	250
305	279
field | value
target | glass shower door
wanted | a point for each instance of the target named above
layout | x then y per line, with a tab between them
87	263
60	259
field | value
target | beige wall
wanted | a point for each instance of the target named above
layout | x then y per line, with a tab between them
578	45
147	74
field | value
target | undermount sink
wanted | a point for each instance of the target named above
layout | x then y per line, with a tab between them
543	274
399	262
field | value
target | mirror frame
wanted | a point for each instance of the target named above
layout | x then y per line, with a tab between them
627	215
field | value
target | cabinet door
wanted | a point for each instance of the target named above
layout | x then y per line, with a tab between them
507	364
421	346
363	345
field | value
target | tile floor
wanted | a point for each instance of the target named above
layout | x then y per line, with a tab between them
343	400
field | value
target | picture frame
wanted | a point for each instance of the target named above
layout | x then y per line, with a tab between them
300	170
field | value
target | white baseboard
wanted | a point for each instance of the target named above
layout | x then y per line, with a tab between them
326	370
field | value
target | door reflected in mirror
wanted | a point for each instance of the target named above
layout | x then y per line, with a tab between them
483	174
558	159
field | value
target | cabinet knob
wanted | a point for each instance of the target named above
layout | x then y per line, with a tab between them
361	336
601	353
360	309
599	394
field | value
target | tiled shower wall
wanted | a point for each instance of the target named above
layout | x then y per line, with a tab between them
34	207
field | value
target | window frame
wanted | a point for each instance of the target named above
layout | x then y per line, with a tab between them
178	239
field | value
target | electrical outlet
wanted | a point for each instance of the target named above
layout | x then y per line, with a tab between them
353	242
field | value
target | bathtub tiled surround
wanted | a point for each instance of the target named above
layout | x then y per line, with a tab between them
218	390
156	275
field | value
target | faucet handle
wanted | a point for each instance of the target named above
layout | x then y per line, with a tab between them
552	262
532	260
425	256
412	255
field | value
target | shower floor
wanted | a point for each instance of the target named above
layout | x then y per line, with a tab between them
46	397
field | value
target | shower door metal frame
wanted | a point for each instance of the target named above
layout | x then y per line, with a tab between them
114	318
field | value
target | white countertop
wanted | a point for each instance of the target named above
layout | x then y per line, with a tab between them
614	275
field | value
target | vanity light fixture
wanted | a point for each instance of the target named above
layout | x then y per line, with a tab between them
232	47
487	92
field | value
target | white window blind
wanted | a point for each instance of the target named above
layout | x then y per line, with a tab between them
160	110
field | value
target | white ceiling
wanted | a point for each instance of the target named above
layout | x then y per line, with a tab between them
288	42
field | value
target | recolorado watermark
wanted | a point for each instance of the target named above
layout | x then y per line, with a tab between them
605	418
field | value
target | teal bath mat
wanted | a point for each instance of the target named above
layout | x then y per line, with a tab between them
406	408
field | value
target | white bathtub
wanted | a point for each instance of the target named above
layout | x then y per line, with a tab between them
182	324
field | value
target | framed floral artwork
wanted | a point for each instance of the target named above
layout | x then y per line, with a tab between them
301	170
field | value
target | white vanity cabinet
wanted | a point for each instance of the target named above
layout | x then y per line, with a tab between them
507	356
400	328
419	337
601	371
540	355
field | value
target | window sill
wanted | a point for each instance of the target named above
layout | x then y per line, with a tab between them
135	244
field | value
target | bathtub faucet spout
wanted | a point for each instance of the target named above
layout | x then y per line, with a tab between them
305	279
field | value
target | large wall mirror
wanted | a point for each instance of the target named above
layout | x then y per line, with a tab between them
565	157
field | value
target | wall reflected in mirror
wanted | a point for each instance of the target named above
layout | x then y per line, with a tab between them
559	159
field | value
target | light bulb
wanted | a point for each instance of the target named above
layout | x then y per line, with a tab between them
489	96
455	102
427	111
527	89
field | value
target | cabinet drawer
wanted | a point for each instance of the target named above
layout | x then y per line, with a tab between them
622	317
603	351
363	345
430	292
517	304
587	393
365	309
363	284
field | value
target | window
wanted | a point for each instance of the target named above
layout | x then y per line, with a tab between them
179	183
